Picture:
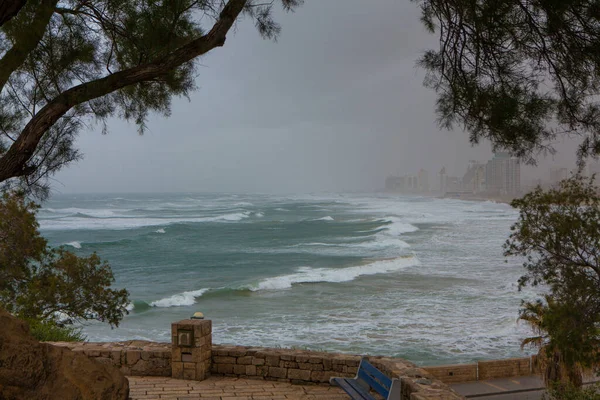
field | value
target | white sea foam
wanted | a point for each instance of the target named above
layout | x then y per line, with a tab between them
76	222
397	226
130	307
335	275
77	245
161	230
327	218
232	217
259	214
90	212
180	299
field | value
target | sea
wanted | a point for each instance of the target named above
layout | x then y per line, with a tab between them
420	278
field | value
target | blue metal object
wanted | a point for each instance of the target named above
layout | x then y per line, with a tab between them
369	378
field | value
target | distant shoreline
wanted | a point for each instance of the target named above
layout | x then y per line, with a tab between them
495	199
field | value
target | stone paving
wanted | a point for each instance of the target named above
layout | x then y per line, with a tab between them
221	388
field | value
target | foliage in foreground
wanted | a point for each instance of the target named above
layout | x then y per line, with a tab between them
51	331
570	392
64	64
45	284
520	73
558	236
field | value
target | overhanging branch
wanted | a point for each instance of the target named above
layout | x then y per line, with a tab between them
9	9
14	162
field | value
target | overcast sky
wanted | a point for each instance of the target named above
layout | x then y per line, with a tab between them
337	104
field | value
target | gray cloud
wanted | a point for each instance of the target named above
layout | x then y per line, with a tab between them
336	104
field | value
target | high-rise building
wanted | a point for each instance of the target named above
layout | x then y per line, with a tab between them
503	174
423	180
474	178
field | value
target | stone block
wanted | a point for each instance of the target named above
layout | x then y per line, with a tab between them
251	370
225	368
207	328
219	351
105	353
245	360
327	363
201	372
258	361
116	355
276	372
302	358
104	360
189	374
91	352
321	376
272	361
288	364
224	360
145	355
304	366
299	374
239	369
177	370
353	362
237	352
199	341
315	360
189	365
262	370
133	356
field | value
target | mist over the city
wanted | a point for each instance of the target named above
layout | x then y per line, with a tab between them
336	104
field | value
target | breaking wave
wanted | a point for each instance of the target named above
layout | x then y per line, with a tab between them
180	299
335	275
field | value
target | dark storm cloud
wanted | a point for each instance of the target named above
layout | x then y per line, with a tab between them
336	104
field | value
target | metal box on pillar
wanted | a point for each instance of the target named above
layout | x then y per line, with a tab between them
191	349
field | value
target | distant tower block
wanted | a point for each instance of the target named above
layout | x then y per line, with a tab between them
191	350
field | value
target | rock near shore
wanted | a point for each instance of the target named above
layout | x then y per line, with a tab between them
37	371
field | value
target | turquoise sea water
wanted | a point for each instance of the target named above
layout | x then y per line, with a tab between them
413	277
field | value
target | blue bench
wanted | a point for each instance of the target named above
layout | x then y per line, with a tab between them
369	378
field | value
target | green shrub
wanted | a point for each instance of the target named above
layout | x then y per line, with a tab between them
570	392
50	331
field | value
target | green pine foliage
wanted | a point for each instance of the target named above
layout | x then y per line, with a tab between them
67	63
520	73
48	285
558	237
50	331
570	392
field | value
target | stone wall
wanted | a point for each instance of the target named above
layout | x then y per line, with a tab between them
454	373
504	368
133	358
484	370
298	366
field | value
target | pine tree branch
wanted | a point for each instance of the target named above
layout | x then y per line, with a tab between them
26	41
14	162
9	9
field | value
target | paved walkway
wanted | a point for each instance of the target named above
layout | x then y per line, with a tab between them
220	388
521	388
502	387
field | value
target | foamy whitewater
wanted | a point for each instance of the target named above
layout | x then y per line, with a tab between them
412	277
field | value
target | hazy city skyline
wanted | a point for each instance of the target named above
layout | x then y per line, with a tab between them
337	104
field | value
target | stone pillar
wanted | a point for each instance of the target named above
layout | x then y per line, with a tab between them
191	349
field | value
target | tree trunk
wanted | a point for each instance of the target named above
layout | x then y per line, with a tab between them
10	8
